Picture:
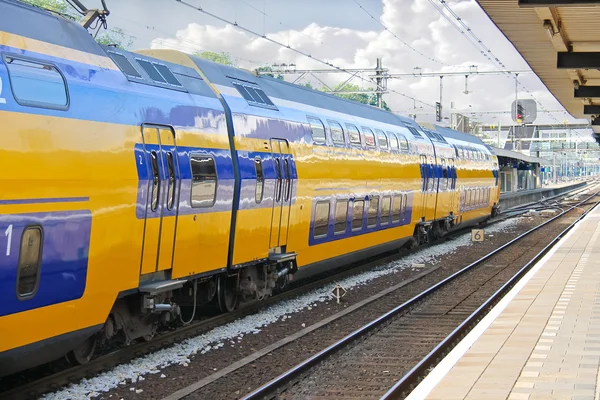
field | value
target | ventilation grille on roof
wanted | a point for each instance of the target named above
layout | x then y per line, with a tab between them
123	63
254	96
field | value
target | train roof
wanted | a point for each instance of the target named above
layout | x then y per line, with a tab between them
280	89
464	137
33	22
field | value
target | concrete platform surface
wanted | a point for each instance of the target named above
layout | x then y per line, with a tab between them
542	340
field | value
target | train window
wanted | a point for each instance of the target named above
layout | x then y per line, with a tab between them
341	217
151	71
403	143
37	84
318	130
337	133
321	219
444	175
171	183
369	136
353	134
386	203
278	183
358	210
155	181
260	180
30	254
394	145
372	213
396	206
381	139
204	181
404	203
288	178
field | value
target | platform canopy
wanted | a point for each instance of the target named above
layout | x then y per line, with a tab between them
560	40
519	156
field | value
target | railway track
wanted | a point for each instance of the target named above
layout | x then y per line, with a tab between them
122	355
396	349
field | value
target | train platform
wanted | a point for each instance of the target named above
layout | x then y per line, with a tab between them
542	340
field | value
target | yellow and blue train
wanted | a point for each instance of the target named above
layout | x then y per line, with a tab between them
135	183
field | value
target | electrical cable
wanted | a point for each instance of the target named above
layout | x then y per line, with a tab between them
200	9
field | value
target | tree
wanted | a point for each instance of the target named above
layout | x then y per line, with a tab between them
365	98
115	36
269	69
221	58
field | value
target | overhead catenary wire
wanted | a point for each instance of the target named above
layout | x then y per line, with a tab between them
265	37
397	37
483	49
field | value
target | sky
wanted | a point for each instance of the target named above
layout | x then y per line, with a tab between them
344	34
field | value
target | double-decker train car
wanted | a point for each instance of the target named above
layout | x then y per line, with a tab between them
139	183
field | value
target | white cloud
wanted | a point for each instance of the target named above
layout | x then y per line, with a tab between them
416	22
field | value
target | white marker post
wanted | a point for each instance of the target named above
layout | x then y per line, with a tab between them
477	235
336	292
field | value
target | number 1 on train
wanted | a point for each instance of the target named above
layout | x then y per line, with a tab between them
8	233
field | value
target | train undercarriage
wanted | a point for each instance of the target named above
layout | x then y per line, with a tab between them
140	316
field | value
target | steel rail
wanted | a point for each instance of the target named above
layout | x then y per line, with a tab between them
414	375
121	355
282	380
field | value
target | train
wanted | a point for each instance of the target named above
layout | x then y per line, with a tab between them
139	185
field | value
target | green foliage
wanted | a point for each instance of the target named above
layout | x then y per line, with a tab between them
59	6
365	98
221	58
114	36
269	69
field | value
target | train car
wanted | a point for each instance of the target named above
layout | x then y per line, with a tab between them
138	184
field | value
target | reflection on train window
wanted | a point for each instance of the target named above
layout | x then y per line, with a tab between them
373	209
204	181
317	129
353	134
337	133
28	273
321	219
36	84
288	181
341	216
171	187
155	194
404	203
358	210
403	142
260	180
381	139
393	141
396	205
386	204
369	136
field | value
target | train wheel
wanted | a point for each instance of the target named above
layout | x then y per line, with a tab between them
83	353
227	293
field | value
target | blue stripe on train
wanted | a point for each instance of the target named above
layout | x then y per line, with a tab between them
405	219
64	263
225	177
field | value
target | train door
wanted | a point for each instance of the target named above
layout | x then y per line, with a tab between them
452	183
282	196
424	173
431	190
162	197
